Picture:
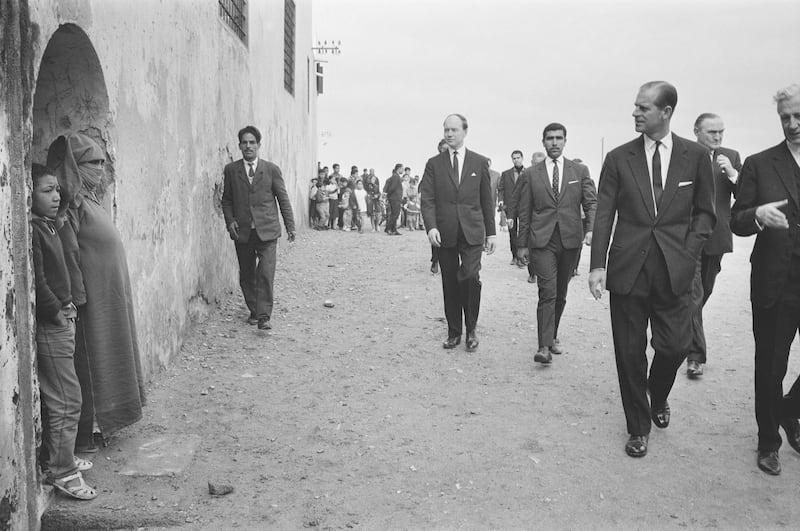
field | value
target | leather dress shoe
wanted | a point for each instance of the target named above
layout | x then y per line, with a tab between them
531	279
472	341
637	445
543	356
252	319
694	369
792	429
660	414
514	261
555	348
264	324
769	462
452	342
434	267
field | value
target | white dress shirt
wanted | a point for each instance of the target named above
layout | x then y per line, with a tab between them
247	169
461	152
794	150
548	164
666	155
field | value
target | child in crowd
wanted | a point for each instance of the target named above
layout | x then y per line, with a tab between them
344	206
55	341
412	209
361	201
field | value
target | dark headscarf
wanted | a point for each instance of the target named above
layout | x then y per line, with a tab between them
67	155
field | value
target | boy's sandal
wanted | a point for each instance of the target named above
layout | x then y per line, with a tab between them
81	491
82	464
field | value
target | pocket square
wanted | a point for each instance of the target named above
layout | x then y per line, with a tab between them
572	182
685	183
473	174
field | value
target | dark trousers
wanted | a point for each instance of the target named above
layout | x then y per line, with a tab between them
554	265
774	330
705	277
394	212
61	393
651	300
335	215
434	255
257	274
512	237
461	285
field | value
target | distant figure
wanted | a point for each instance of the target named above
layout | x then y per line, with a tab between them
725	163
459	217
440	148
494	180
513	209
107	359
656	193
767	204
553	195
393	188
253	189
505	191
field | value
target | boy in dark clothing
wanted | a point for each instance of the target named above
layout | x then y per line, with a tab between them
55	340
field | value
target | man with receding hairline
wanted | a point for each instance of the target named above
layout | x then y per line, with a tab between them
656	193
725	163
459	216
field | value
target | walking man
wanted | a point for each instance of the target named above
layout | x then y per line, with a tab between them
251	188
725	163
553	194
459	217
767	204
505	191
393	188
660	191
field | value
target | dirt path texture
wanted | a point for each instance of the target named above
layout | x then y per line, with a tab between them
354	417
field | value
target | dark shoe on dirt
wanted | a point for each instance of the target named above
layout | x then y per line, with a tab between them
543	356
694	369
660	414
637	445
452	342
769	462
792	429
472	341
264	324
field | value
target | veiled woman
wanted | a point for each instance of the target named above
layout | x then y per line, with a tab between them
106	349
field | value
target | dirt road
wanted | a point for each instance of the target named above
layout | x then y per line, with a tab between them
355	417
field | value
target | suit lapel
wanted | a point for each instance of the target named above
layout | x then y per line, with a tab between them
541	176
466	167
241	173
677	167
641	175
786	168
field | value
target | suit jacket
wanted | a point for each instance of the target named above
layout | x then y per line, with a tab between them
393	188
721	239
771	175
256	204
684	221
505	187
539	212
448	204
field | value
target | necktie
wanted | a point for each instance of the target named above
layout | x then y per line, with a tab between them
455	167
555	179
251	173
657	186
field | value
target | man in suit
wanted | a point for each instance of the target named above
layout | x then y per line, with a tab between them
393	188
768	204
659	189
513	210
553	194
250	189
505	191
725	163
459	217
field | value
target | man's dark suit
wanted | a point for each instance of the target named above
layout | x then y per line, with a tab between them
772	175
253	207
463	213
393	188
719	243
505	192
651	264
553	230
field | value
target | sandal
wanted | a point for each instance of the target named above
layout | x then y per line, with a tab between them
82	464
81	491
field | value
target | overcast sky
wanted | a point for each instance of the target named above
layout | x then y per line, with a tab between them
512	66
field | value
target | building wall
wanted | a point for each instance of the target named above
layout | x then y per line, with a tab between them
164	86
180	84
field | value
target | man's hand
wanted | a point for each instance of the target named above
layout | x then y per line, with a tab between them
770	216
510	223
290	236
435	238
522	254
597	283
233	230
725	163
490	244
587	239
60	320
